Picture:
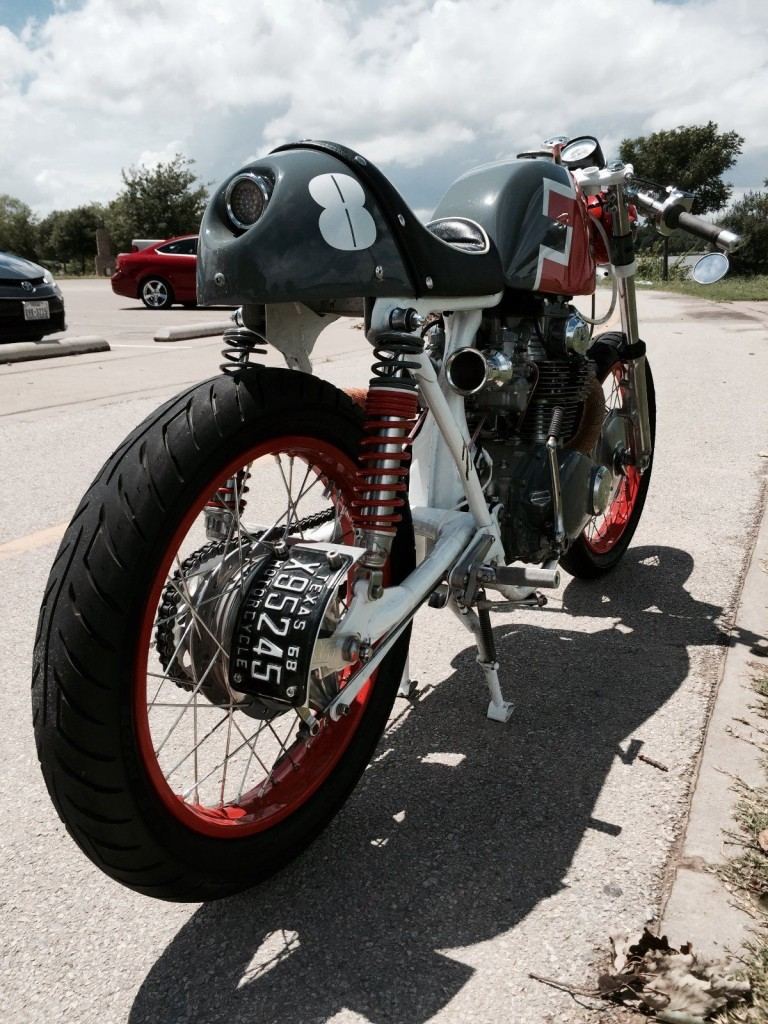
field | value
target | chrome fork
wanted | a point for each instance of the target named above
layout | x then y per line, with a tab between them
625	276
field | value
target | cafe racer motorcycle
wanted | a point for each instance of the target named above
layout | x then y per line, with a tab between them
226	623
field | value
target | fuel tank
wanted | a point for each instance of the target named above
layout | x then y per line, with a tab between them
536	215
331	226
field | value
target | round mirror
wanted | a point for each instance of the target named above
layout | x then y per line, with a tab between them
710	268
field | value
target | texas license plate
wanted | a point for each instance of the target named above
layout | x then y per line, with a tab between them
37	311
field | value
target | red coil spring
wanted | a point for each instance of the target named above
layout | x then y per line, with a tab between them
224	497
380	490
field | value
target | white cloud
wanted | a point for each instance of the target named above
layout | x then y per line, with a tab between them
416	85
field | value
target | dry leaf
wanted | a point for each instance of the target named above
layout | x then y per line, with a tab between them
676	983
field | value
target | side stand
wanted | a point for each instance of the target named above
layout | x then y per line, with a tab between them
479	624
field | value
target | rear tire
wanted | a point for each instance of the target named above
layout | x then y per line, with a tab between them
156	293
605	538
90	712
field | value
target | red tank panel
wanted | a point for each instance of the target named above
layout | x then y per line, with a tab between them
572	270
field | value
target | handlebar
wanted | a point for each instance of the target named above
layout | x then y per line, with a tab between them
672	214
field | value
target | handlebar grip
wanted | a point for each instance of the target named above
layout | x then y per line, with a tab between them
721	237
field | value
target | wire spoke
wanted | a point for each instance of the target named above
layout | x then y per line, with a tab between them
303	494
288	485
197	746
186	706
165	678
213	771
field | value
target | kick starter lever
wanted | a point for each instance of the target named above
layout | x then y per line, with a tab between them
555	426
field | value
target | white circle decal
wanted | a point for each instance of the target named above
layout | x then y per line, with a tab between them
344	223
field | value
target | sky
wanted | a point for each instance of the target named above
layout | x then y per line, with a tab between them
424	88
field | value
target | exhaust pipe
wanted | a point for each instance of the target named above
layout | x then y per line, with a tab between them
469	370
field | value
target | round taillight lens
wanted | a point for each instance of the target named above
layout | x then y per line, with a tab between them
246	197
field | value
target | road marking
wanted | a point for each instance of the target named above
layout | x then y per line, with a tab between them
38	539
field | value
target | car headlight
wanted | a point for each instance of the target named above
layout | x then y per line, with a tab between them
246	198
48	277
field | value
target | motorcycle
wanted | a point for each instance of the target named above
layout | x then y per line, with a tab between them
226	624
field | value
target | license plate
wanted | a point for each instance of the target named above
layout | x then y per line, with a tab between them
37	311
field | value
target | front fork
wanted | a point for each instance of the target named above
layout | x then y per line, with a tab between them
625	268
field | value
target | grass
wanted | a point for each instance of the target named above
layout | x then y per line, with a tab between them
730	289
748	876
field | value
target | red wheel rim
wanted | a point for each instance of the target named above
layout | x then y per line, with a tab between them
304	763
604	532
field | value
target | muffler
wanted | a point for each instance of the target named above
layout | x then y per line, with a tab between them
469	370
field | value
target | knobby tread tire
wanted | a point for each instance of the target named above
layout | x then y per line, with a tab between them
86	642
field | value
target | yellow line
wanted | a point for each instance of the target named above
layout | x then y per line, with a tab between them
38	539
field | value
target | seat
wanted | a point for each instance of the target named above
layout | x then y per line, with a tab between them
444	259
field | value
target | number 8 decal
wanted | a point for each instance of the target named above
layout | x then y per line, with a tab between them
344	223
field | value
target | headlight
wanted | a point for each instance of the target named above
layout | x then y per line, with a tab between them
246	197
47	277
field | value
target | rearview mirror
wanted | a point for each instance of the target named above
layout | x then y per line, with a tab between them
710	268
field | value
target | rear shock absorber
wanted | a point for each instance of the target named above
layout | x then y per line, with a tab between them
240	343
391	411
225	506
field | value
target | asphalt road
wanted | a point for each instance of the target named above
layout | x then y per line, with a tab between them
471	853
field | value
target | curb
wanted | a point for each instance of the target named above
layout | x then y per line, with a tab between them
206	330
700	908
21	351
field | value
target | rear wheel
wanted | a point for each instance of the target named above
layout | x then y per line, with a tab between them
171	779
156	293
606	537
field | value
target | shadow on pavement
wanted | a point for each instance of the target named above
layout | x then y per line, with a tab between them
451	850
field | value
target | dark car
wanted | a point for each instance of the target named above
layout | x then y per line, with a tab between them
160	274
31	304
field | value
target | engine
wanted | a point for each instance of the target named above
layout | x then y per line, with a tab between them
524	367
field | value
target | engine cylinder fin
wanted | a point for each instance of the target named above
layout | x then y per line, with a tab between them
561	384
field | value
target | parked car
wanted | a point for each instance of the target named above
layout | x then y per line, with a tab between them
31	304
159	275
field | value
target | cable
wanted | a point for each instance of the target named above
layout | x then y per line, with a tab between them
596	321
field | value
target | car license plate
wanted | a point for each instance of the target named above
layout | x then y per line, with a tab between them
36	311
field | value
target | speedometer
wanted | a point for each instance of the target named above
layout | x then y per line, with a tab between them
582	152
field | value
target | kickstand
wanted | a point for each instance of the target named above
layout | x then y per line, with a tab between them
408	687
479	624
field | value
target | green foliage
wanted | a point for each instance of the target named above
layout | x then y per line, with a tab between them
692	157
650	265
749	218
70	235
647	237
156	202
18	228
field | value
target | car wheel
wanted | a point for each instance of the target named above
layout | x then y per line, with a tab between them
156	293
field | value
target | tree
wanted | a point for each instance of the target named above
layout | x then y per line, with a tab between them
18	228
156	202
71	234
749	218
693	158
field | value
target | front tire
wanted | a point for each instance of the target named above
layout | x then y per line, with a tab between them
606	537
107	692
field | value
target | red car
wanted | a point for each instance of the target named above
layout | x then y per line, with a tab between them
159	275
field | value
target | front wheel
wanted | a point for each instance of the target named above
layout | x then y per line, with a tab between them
606	537
156	293
174	778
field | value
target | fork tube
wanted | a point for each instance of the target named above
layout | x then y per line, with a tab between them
625	275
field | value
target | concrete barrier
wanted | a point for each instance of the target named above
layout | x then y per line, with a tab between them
21	351
206	330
